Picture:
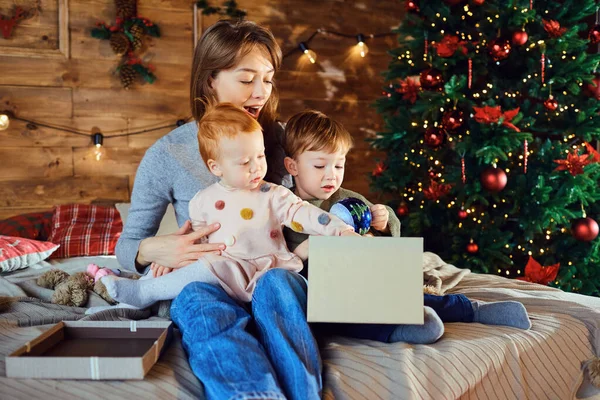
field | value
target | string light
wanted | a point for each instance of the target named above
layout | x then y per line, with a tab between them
4	120
96	136
361	45
311	55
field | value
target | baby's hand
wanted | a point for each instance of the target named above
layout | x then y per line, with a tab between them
159	270
350	233
302	250
380	217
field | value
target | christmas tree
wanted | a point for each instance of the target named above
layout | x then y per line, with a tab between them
491	118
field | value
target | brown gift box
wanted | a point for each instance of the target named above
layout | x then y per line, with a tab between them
91	350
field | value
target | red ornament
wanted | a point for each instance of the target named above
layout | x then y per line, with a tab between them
536	273
593	89
462	214
594	34
412	6
478	2
494	179
499	49
551	104
472	247
431	79
452	120
434	137
519	38
584	229
402	209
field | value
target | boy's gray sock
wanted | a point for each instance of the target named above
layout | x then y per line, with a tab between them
431	330
147	290
509	313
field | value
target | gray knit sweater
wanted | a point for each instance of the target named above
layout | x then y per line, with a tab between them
172	171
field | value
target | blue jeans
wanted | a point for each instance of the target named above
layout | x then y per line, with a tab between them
281	361
450	308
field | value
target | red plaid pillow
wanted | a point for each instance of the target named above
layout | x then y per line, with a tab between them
34	226
85	230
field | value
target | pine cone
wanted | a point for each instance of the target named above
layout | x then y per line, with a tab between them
127	75
119	43
126	8
138	33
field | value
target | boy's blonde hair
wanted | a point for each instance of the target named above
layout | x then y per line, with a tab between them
222	120
312	130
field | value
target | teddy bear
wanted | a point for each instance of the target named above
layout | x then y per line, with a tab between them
72	290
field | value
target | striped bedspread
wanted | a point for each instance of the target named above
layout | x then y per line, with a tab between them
471	361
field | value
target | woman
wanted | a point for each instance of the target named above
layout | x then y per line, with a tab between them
233	62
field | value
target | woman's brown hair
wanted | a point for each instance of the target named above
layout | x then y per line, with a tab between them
221	47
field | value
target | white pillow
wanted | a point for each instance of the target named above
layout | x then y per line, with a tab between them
167	225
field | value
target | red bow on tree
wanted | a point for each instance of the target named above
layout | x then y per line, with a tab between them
449	44
593	152
409	88
574	163
490	115
379	168
536	273
436	190
553	28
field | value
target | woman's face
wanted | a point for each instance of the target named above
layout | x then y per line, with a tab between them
247	85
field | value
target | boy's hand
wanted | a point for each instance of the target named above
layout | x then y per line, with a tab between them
159	270
380	218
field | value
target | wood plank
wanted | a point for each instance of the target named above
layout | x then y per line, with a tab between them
114	161
35	162
145	140
130	104
45	193
23	134
327	86
28	71
37	102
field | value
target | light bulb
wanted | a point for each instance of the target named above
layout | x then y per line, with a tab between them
4	122
98	139
362	47
311	55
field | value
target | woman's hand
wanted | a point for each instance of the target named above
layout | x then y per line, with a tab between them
159	270
178	249
380	217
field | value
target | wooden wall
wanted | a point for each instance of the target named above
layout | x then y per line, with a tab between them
52	70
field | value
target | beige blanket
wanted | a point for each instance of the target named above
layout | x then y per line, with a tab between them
471	361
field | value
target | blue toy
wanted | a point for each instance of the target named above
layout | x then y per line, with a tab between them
354	212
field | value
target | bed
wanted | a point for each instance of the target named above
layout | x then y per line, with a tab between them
471	361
